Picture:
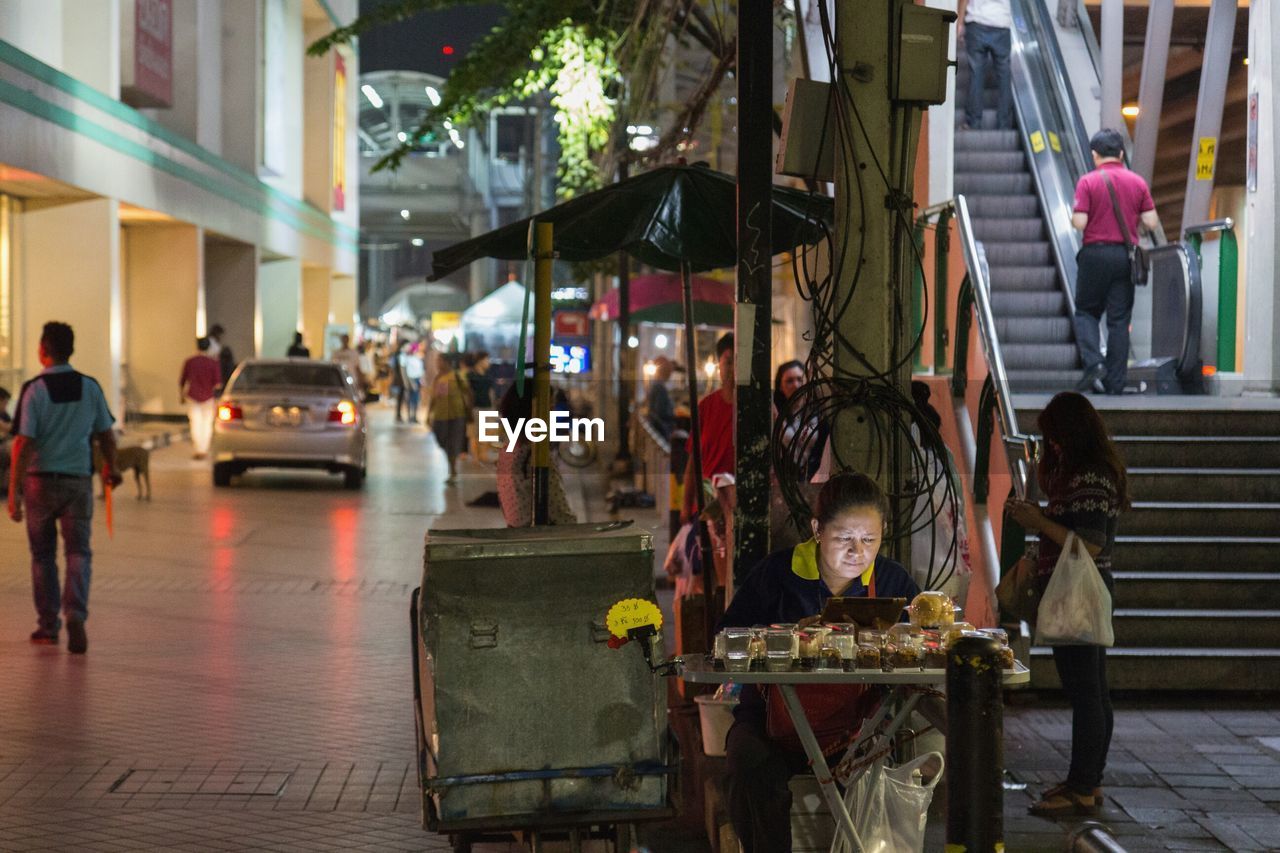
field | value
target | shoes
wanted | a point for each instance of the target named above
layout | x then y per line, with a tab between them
77	640
1061	801
44	637
1091	380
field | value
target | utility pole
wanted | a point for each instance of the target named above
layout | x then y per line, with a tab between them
754	314
626	358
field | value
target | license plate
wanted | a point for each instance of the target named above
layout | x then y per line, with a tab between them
286	416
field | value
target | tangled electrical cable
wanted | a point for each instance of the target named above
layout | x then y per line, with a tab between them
843	383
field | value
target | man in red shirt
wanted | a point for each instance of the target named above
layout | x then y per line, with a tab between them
198	387
716	422
1103	281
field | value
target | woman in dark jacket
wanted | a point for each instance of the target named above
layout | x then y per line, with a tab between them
792	586
1085	482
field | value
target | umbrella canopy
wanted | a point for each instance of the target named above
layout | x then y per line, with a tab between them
416	303
657	299
503	307
670	217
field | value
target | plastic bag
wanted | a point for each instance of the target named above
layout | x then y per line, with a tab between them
1075	609
890	813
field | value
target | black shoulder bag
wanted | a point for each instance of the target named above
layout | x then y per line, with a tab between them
1137	255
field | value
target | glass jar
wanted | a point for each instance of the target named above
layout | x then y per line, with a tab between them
810	644
758	649
868	656
737	649
781	647
932	609
935	656
717	651
846	642
829	654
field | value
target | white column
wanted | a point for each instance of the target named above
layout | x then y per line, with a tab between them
1112	70
315	308
279	307
1209	105
230	288
1262	226
1155	61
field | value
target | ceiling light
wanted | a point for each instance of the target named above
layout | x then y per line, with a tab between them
1129	111
373	96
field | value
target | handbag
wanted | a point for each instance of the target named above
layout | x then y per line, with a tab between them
1138	264
1075	609
1018	592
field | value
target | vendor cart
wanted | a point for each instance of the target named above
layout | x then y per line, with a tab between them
526	723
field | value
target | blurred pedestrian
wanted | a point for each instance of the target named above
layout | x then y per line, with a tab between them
397	389
659	409
715	428
368	369
451	408
61	412
6	426
198	389
481	398
219	349
298	349
985	27
350	359
1111	202
412	371
515	469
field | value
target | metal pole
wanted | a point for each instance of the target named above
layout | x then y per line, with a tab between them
1112	49
754	312
975	746
709	578
1209	105
942	243
1155	61
543	254
1093	837
626	359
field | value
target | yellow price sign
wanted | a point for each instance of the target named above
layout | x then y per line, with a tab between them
1205	156
1037	141
632	613
1055	143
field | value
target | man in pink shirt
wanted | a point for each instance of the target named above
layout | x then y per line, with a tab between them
198	388
1103	281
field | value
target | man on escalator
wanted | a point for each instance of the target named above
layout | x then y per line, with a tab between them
1110	203
984	26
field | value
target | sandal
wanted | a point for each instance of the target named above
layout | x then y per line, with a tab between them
1062	788
1061	801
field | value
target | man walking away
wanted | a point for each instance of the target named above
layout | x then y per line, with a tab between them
198	389
219	349
350	359
1103	281
60	413
984	25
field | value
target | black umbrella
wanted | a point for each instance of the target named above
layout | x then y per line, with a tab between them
673	218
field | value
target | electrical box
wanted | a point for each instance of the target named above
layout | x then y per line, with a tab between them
920	72
808	144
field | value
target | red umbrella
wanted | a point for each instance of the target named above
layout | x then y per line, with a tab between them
657	298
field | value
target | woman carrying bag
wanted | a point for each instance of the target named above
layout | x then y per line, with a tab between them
1085	482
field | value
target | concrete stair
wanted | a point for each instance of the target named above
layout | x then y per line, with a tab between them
1197	559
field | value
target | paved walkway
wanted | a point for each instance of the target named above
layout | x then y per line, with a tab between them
247	684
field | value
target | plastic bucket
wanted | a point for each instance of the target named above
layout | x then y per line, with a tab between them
715	716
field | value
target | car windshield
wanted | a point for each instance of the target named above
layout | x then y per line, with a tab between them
257	377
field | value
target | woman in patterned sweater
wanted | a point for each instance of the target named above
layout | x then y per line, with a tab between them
1085	482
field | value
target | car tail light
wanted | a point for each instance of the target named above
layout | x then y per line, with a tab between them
230	412
344	412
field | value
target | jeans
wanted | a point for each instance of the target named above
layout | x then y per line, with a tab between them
54	503
415	396
983	44
757	794
1083	671
1103	284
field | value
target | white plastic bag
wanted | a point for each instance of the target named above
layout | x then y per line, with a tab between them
1075	609
890	813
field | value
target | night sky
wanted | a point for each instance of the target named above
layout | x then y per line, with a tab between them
419	43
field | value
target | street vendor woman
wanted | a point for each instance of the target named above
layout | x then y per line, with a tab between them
792	586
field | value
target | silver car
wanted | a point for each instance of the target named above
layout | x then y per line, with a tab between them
290	413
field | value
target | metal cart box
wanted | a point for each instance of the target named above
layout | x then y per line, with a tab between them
526	716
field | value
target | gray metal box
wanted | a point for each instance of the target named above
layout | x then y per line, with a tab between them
528	718
920	75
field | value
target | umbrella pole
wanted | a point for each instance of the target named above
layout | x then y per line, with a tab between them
543	254
710	580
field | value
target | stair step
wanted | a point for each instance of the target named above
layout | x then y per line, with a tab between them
1041	356
1011	278
989	161
1034	304
1171	628
1052	330
1009	230
1001	253
1189	484
1176	417
987	140
1179	669
1042	380
1199	554
1146	451
1215	590
1202	519
988	184
1008	207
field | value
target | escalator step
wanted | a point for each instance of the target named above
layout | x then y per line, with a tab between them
1017	254
987	140
1028	330
1040	356
1003	207
990	161
1023	278
988	119
988	184
1009	230
1035	304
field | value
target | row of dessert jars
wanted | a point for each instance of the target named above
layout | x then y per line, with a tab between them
786	648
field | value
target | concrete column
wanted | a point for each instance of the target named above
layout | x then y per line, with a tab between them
34	28
241	57
1259	306
279	306
315	308
343	302
91	44
70	271
230	288
163	277
317	106
1112	70
1155	61
1209	105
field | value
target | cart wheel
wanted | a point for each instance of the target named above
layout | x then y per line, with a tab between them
460	843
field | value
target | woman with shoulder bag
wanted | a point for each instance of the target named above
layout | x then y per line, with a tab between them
1084	479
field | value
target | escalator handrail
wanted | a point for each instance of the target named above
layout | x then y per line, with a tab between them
1069	109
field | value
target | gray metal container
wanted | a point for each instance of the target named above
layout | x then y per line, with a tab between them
527	717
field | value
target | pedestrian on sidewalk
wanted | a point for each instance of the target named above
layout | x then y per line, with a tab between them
198	389
1104	282
60	413
451	409
984	25
412	370
1086	484
397	379
219	349
298	349
350	359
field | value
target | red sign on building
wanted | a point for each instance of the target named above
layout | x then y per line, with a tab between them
571	324
146	53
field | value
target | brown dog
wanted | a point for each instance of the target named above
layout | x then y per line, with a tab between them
136	458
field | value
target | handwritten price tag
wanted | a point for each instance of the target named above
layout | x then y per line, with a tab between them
632	613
